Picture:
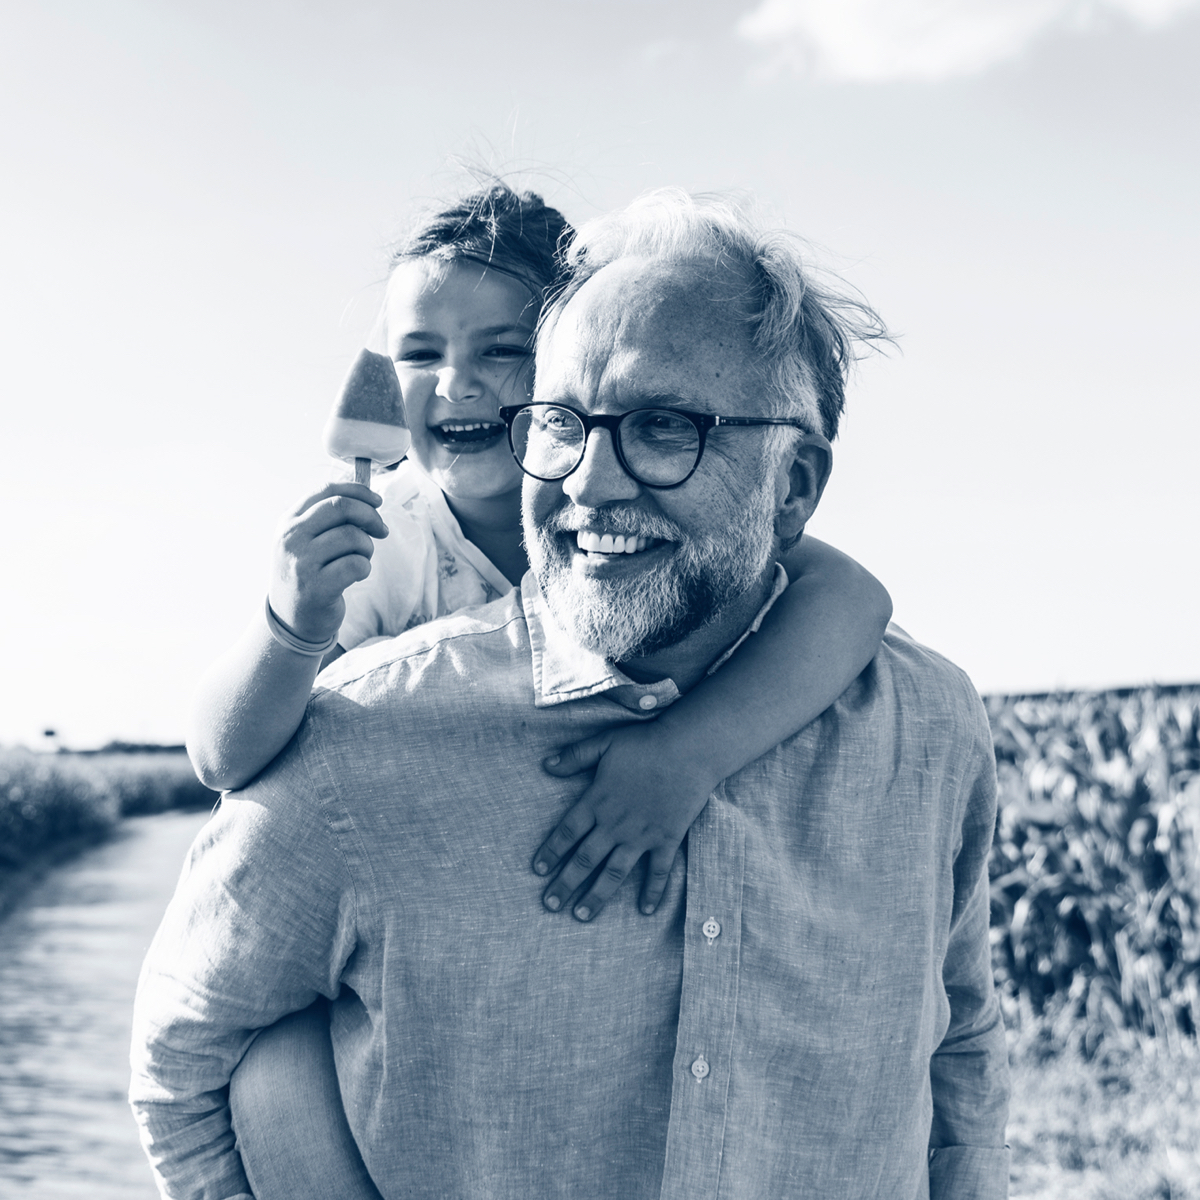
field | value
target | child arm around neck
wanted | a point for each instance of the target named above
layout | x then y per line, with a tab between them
653	778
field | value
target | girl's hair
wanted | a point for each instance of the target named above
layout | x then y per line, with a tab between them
516	233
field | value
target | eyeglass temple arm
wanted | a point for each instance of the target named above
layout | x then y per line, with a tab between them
793	421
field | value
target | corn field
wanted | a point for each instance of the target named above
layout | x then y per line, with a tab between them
1094	872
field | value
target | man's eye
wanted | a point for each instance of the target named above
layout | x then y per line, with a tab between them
556	423
663	426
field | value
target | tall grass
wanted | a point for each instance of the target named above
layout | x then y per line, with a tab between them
51	803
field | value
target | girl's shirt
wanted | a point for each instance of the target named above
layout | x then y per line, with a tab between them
424	568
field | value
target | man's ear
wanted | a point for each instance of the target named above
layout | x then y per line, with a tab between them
799	484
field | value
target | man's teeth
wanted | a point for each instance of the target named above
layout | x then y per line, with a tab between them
607	543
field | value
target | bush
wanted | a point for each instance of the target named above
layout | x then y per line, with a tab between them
54	801
47	800
1095	876
152	782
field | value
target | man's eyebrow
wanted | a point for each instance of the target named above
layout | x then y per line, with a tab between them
670	400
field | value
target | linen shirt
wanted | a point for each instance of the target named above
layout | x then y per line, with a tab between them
808	1013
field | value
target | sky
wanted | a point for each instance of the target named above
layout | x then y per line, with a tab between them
198	197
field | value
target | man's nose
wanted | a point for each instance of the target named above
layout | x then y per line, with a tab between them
458	383
599	479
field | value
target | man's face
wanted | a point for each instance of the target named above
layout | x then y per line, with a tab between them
645	334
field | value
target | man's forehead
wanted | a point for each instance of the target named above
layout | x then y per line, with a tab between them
649	324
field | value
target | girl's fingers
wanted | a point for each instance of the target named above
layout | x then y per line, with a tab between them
331	513
580	756
356	491
620	862
338	575
340	541
658	871
590	854
576	824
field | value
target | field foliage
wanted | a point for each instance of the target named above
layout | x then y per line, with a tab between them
1095	875
53	802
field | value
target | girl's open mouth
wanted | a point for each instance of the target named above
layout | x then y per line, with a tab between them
468	434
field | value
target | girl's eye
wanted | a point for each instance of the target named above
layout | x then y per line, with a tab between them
504	351
417	358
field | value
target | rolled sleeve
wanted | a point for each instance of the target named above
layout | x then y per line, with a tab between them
261	923
969	1172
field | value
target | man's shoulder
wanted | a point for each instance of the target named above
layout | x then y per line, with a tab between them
925	687
473	641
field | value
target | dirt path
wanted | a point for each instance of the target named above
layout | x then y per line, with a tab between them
69	958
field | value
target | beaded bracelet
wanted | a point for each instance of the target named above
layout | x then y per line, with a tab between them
285	637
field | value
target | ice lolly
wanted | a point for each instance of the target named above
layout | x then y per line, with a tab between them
367	424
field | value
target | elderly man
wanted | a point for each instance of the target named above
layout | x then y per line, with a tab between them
810	1010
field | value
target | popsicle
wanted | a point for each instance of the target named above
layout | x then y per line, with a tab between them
367	424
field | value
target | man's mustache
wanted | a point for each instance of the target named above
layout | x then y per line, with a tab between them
627	521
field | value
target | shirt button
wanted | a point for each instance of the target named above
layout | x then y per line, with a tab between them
700	1067
648	702
711	929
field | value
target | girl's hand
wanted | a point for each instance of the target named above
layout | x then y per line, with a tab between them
324	546
643	800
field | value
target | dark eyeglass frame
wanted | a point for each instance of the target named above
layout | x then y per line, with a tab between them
702	422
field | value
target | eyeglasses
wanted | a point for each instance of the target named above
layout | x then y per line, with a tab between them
659	447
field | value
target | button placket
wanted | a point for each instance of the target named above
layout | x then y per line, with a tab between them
708	1003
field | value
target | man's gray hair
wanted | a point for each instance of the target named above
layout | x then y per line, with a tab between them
803	329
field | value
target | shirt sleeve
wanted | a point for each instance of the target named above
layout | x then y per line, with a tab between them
261	923
968	1159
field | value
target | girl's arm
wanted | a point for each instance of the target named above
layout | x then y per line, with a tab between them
653	778
251	701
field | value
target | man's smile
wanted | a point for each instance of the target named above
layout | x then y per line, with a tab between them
592	542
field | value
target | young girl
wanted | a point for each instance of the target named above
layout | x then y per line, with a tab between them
462	305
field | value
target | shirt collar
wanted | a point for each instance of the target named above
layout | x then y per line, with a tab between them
563	670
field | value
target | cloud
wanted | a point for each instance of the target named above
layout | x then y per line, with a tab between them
876	41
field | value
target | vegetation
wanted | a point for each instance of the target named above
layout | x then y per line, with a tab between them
1095	874
1121	1126
50	804
1096	941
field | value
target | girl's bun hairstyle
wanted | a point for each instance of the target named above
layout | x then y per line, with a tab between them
517	233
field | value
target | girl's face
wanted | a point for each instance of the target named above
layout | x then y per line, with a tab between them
462	340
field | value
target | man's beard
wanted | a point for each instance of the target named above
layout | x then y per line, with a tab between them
623	619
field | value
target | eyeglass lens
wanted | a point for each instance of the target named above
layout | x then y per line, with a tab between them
659	447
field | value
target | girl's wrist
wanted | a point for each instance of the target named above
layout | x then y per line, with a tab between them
673	750
675	743
287	637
